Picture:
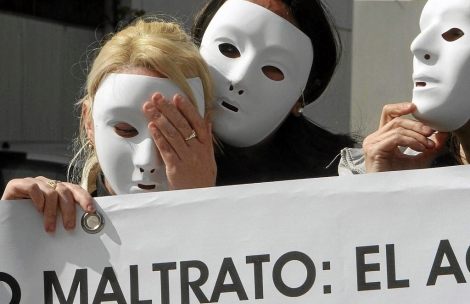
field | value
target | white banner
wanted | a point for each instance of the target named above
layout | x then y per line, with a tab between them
398	237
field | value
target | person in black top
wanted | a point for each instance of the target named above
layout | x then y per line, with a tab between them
296	147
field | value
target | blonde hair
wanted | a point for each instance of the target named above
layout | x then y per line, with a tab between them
150	43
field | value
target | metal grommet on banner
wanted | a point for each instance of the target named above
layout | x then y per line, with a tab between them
92	222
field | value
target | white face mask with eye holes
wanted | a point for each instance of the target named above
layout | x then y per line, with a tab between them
260	63
126	151
442	65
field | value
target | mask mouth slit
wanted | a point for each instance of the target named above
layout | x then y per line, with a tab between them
146	187
420	84
229	106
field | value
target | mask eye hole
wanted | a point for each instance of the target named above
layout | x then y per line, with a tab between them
125	130
273	73
453	34
229	50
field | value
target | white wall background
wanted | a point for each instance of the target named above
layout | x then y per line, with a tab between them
382	63
39	78
332	109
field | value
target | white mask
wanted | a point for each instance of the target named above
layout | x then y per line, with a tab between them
249	105
442	65
132	165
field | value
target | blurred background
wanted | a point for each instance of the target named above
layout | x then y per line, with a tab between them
43	61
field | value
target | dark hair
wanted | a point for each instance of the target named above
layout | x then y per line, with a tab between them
315	20
451	155
299	148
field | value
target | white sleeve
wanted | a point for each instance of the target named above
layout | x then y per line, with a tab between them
352	162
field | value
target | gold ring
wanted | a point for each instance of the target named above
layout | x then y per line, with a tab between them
53	183
191	136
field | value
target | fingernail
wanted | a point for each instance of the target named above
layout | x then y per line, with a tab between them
152	128
150	108
71	226
51	227
91	208
157	97
179	98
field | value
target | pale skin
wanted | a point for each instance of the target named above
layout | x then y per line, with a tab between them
381	147
189	164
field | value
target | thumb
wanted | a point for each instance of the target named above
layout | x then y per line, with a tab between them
392	111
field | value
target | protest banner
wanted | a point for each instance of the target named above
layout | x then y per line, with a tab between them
398	237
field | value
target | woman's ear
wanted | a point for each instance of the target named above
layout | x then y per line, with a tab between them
297	110
88	121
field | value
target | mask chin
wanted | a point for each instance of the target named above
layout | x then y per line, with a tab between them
230	137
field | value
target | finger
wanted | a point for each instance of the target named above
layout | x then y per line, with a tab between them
50	205
391	111
25	188
167	152
404	138
428	156
395	135
67	206
171	134
408	124
211	138
171	112
47	192
82	197
192	115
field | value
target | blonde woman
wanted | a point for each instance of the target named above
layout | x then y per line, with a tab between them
126	145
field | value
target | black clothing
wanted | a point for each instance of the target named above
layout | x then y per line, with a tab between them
101	189
299	149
